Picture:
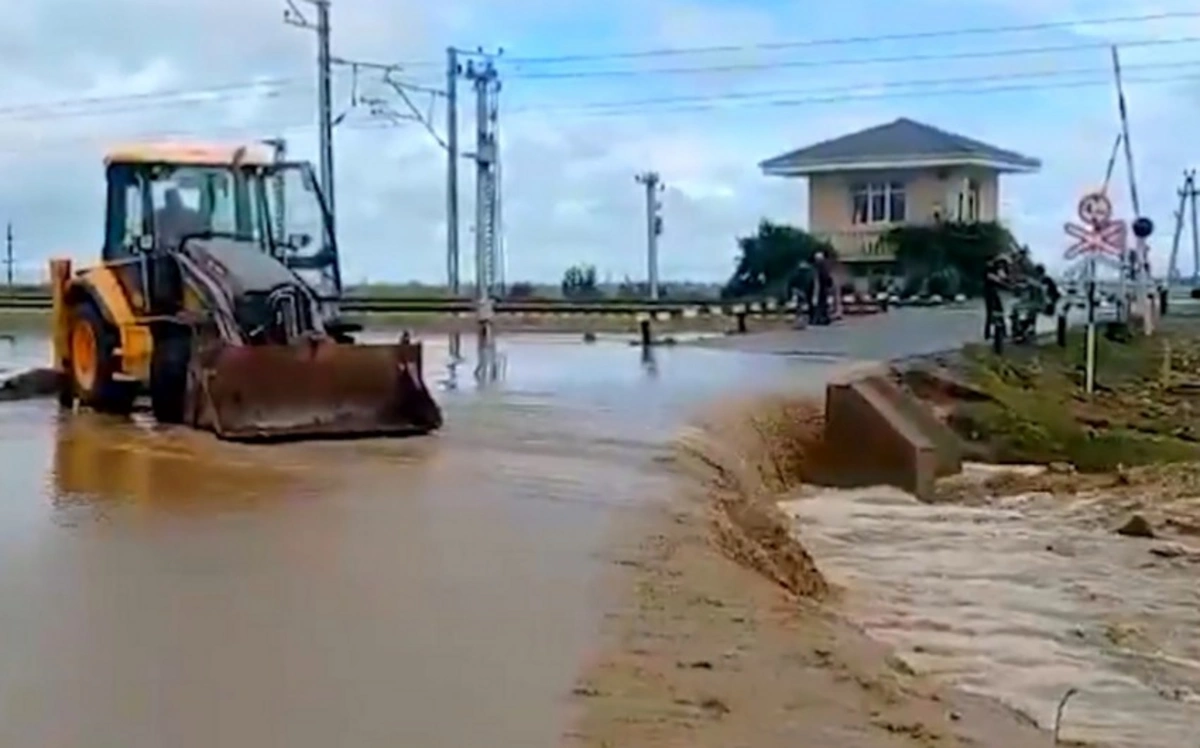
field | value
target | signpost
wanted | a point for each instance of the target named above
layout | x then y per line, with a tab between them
1099	237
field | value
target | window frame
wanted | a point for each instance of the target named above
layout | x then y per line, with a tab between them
885	195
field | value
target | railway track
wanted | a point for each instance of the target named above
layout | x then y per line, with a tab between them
672	308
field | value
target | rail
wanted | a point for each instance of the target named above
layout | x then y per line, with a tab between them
381	305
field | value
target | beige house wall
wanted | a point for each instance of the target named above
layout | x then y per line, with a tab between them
928	193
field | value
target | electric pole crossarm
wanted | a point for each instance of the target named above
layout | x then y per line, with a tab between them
415	113
294	16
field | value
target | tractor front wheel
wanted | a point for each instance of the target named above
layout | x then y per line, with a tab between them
93	362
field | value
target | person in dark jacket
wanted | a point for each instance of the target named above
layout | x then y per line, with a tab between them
1052	294
824	289
994	281
800	287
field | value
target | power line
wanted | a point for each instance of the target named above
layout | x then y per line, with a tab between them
215	90
872	94
716	104
152	105
683	105
903	83
781	64
235	132
849	40
278	85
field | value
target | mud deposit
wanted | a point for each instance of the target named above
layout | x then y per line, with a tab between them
1023	599
159	588
704	652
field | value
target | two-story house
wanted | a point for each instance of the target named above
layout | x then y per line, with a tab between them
901	173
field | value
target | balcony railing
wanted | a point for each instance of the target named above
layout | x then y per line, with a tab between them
861	245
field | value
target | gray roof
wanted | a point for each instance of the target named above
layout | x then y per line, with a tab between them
901	140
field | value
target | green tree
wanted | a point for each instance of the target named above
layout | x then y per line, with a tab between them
770	258
579	282
953	253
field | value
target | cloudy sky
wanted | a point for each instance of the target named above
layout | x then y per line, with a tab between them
80	75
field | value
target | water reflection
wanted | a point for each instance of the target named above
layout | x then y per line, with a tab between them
649	360
101	462
490	363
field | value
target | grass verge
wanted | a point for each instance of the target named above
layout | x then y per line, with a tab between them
1030	405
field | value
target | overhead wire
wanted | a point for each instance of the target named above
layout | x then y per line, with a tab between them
731	102
842	88
277	85
870	94
836	41
861	39
281	86
844	61
217	89
255	132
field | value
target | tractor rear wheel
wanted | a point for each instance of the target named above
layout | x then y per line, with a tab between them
168	374
93	362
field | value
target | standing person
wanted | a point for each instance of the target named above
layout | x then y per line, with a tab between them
824	288
993	283
1052	294
801	287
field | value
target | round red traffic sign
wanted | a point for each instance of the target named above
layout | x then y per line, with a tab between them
1095	208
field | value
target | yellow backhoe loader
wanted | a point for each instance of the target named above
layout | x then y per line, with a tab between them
200	303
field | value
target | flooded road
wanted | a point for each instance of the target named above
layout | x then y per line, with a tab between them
1022	600
160	588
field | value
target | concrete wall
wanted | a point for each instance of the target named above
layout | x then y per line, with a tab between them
878	434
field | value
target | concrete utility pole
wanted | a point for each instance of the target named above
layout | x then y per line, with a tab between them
292	15
652	181
1188	195
487	89
453	71
8	254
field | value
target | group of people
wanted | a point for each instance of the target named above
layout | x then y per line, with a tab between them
1035	292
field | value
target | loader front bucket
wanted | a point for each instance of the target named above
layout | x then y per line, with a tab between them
319	389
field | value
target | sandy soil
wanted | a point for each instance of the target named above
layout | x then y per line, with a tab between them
720	630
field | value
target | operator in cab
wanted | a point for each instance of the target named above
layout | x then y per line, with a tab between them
174	220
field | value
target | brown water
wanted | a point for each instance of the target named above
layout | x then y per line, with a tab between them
158	588
1023	600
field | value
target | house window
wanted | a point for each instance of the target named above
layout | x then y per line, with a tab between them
878	202
968	202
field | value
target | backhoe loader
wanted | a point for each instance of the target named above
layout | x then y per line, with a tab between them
199	303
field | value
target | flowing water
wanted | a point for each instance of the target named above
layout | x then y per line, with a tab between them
1022	600
159	588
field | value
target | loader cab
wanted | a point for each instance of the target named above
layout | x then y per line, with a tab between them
152	206
158	194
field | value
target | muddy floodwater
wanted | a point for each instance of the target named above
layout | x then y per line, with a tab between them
158	588
1022	600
